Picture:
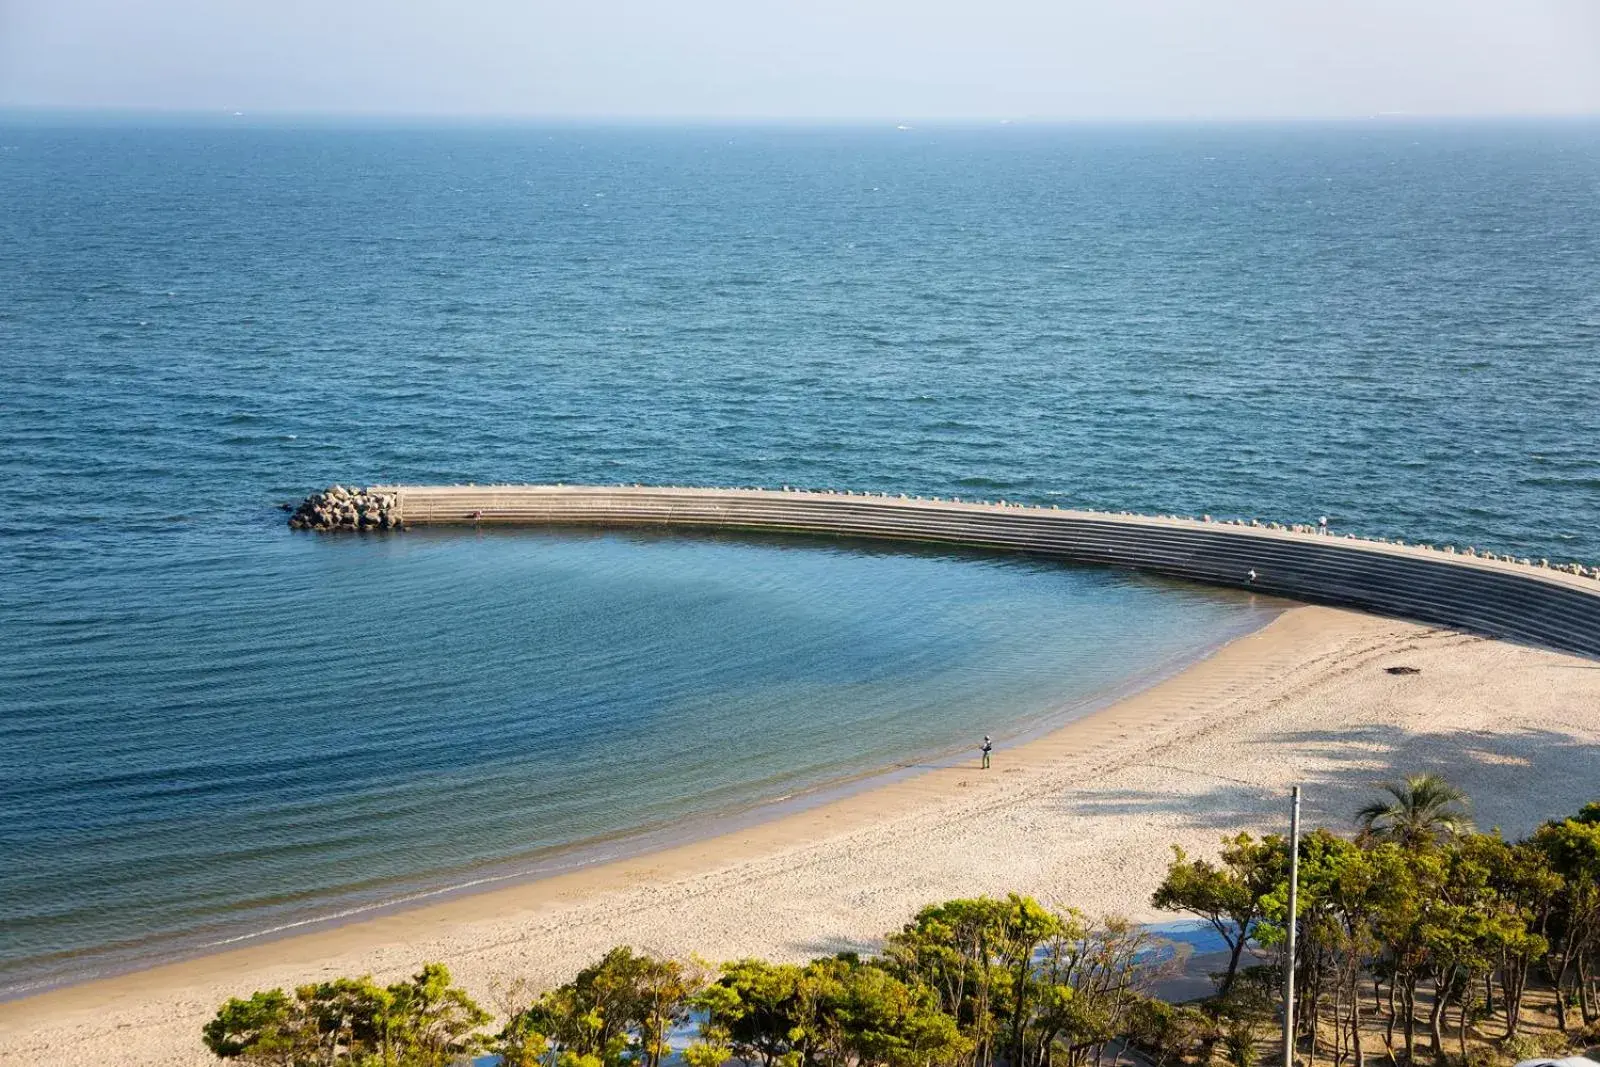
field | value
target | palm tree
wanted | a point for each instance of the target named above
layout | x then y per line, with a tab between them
1417	811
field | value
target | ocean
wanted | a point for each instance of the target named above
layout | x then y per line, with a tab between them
211	727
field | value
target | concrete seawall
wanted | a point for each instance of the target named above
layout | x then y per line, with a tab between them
1497	598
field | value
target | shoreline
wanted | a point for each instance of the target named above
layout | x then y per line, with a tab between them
1082	815
649	838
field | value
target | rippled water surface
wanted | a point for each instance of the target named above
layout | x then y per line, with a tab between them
222	735
210	726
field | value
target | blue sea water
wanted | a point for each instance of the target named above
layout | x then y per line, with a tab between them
210	726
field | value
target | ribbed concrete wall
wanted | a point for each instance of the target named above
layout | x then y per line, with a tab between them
1501	599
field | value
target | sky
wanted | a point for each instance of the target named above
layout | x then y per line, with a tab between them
807	59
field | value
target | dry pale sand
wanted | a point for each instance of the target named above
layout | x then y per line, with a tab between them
1084	816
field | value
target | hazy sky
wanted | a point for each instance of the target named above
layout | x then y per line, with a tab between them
808	58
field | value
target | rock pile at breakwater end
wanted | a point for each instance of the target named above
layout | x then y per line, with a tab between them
339	508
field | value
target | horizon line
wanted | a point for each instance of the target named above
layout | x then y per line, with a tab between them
219	115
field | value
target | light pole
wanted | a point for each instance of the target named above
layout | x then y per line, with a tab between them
1288	960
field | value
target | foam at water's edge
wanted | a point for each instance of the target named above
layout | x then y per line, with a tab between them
1500	598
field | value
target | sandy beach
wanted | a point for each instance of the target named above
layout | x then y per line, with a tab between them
1084	816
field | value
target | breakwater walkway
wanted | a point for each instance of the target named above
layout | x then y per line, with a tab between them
1499	597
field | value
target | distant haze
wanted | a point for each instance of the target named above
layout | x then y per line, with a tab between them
842	59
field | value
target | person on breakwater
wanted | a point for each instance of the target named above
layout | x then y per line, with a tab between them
988	747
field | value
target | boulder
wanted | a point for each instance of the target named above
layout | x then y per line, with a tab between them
339	508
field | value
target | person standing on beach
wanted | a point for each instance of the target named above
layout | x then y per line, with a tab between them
988	747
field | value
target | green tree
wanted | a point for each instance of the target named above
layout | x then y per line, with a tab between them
521	1042
1229	896
429	1022
1522	879
757	1005
1420	810
952	947
663	993
1464	932
426	1022
321	1025
713	1048
1573	849
262	1029
345	1017
1239	1037
1093	978
1414	887
1170	1032
617	1011
865	1016
1015	974
1343	887
1027	926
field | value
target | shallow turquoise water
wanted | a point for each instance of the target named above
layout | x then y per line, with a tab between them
210	726
304	725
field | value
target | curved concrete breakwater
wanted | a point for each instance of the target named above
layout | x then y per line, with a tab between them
1558	607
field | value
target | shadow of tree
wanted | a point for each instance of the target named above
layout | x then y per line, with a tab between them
1516	779
832	946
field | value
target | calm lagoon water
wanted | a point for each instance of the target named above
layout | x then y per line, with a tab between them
230	738
209	726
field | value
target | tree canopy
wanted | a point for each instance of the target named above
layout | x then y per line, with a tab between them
1420	809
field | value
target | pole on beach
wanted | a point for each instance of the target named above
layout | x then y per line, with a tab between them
1288	955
